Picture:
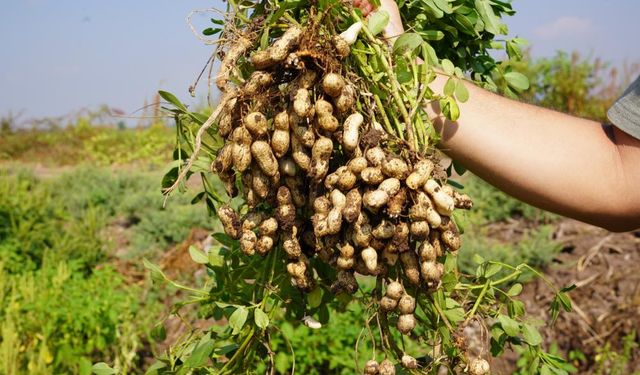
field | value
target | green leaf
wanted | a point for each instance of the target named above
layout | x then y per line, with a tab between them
492	23
565	301
515	290
462	93
238	319
449	87
517	81
402	71
200	353
198	256
315	297
515	308
260	317
448	67
531	335
513	50
153	369
215	258
159	333
407	42
378	21
429	54
510	326
282	363
211	31
454	312
443	5
173	100
224	239
102	368
156	273
450	108
492	269
432	34
478	259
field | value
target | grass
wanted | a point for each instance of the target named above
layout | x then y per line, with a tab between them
63	304
86	143
535	246
59	268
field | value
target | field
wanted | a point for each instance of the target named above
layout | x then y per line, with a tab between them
81	209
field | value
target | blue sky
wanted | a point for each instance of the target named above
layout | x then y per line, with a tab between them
59	56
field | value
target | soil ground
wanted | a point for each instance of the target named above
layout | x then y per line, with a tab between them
606	301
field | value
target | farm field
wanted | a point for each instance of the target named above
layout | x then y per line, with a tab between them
75	234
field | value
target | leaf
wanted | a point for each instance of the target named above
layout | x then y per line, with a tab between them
200	353
513	50
429	54
315	297
153	369
450	108
156	273
378	21
545	370
407	42
454	312
492	269
515	308
224	239
211	31
238	319
448	66
515	290
432	34
478	259
492	23
260	317
565	301
215	258
159	333
402	71
517	81
102	368
531	335
462	93
449	87
510	326
198	256
173	100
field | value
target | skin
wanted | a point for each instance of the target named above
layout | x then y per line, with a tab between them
571	166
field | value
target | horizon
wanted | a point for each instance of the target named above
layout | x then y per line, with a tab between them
60	58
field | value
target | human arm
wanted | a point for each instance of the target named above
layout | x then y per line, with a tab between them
564	164
572	166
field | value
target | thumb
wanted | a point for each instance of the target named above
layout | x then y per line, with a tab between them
394	27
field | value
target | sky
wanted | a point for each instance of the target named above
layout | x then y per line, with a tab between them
60	56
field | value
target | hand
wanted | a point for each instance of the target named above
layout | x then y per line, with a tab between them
394	27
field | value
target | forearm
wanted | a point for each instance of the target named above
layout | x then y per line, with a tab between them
554	161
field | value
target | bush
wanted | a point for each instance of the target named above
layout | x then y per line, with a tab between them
62	306
57	319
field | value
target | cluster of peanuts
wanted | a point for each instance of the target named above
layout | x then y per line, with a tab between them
321	182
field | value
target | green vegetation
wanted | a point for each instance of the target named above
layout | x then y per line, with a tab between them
63	304
84	142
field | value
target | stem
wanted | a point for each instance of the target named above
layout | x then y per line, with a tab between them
477	304
385	119
442	316
492	283
395	86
